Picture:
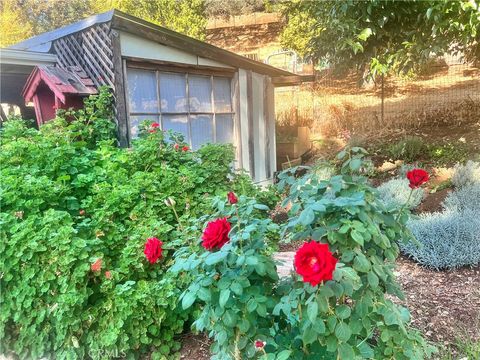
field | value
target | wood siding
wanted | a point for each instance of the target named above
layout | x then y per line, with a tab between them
257	125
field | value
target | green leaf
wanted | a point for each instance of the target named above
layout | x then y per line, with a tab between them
361	263
355	164
343	332
429	12
343	311
237	288
215	257
230	318
312	311
372	279
187	300
251	305
309	335
284	355
322	302
224	296
261	207
357	236
366	351
346	352
204	294
365	34
319	326
307	216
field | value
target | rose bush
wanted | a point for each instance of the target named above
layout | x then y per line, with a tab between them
233	284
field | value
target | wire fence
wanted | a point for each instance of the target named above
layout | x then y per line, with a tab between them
446	93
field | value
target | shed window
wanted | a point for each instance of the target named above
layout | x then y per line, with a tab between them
197	106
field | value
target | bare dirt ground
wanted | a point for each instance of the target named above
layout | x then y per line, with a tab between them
444	304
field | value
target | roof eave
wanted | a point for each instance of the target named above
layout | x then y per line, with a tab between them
124	22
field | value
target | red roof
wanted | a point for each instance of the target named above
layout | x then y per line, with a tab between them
62	81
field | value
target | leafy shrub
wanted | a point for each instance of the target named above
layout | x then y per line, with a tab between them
395	193
448	239
409	148
70	200
466	174
347	317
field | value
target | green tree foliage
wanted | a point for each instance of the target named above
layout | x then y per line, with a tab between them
185	16
381	35
13	28
21	19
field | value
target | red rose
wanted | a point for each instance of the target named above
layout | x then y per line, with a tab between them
259	344
215	234
97	265
185	148
108	274
153	127
232	199
176	146
153	250
417	177
314	262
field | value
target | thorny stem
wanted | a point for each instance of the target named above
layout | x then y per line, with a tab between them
237	355
403	206
239	228
178	219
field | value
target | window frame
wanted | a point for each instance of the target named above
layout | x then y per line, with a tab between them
186	71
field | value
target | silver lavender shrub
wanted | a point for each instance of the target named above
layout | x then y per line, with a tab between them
395	193
451	238
448	239
466	174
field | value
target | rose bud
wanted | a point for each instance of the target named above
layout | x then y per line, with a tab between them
232	198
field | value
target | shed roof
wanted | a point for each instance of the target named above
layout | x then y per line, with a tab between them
70	81
124	22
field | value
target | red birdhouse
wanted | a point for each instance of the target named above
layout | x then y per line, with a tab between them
51	88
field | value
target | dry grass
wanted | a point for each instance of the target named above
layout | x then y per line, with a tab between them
450	95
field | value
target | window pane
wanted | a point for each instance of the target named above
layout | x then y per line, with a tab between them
202	130
222	94
177	123
136	121
173	92
224	128
142	91
200	92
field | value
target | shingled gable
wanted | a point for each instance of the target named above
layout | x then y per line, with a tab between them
62	82
50	88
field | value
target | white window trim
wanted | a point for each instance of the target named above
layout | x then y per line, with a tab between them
188	113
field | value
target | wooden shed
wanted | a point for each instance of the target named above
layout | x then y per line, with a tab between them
206	93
